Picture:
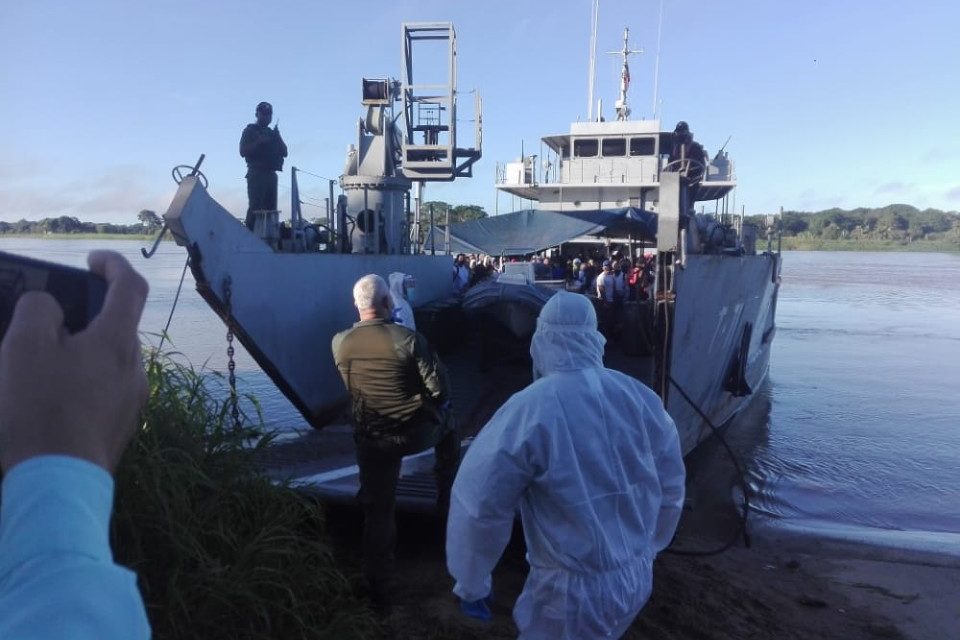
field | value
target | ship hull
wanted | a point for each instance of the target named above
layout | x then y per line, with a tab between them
722	328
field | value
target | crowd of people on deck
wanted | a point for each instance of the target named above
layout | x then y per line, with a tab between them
612	279
608	281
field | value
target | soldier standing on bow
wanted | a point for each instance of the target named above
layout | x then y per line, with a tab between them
264	151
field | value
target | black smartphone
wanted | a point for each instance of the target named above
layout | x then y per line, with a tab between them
79	292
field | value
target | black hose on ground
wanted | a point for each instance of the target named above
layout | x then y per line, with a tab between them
742	527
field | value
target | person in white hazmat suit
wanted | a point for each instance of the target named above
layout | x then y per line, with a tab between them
402	311
593	460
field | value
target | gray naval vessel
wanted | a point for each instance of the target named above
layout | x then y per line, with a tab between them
283	289
710	318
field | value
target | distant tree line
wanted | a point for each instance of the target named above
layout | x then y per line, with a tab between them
148	222
895	222
439	210
458	213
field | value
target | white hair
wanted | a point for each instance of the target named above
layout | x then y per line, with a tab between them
369	291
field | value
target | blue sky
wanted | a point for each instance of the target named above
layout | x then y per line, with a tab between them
829	103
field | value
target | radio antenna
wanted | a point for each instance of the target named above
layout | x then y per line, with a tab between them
594	18
656	69
621	106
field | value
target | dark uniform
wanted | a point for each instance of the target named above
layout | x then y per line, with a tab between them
264	151
687	155
400	396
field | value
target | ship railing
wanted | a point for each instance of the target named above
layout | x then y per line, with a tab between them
724	171
527	173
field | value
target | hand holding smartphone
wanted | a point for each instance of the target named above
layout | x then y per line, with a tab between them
77	392
79	292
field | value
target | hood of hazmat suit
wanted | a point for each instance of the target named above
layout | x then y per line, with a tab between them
402	311
592	459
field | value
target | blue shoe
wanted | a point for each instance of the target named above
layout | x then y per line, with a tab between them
479	609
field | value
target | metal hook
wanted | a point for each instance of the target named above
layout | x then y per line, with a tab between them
156	243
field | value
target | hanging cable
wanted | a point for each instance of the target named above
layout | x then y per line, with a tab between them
745	489
315	175
311	203
176	298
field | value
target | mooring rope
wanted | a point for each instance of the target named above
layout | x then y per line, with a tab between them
744	487
176	298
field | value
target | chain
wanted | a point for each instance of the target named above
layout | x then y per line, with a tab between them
231	365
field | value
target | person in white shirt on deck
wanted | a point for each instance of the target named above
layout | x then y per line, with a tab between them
401	286
606	284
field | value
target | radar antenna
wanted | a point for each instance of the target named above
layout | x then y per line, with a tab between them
621	106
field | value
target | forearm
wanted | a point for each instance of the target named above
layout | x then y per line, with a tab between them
432	372
490	484
253	143
57	575
474	546
672	474
246	144
667	520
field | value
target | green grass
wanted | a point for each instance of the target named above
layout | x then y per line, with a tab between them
220	550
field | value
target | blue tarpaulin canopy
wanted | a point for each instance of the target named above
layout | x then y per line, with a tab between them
531	230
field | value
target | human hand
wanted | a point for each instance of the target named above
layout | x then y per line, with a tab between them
478	609
76	395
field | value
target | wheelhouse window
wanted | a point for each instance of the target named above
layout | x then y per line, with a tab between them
642	146
585	148
614	147
564	149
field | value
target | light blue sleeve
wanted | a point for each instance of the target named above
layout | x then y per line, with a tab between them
57	575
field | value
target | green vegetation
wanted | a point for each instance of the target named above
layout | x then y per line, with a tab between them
439	208
220	550
458	213
894	227
87	236
149	223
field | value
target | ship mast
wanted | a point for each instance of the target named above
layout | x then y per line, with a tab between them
621	106
591	81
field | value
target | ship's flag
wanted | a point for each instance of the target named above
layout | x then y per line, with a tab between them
626	76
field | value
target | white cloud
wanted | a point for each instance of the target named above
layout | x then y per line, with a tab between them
116	196
18	168
940	153
892	188
810	200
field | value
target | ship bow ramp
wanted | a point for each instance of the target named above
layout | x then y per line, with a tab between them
286	307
